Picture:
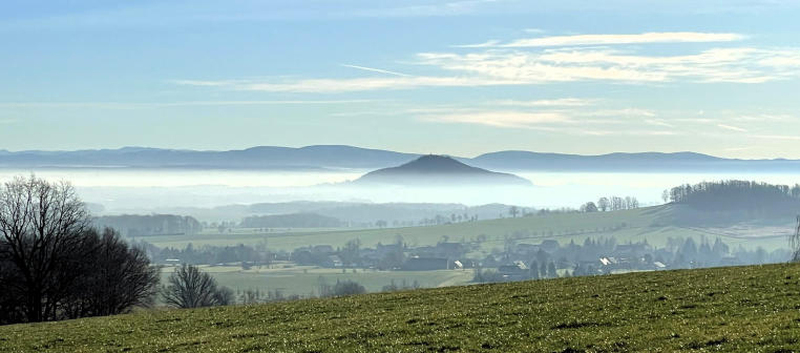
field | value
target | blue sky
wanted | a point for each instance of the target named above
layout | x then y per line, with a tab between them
460	77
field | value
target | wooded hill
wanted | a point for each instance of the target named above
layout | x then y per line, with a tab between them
734	195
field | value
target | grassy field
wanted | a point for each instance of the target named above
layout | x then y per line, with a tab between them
739	309
635	225
304	280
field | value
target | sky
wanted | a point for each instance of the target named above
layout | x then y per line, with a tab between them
460	77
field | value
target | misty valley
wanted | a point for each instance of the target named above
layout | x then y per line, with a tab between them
272	234
415	176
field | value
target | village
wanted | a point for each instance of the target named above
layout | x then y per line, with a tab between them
518	260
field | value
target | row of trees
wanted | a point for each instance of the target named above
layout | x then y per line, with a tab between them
147	225
295	220
209	254
613	203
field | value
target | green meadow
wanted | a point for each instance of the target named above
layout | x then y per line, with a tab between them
653	224
305	280
735	309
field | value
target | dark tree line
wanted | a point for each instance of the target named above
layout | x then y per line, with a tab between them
146	225
295	220
54	266
737	195
208	254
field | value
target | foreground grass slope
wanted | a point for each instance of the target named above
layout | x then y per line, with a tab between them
754	309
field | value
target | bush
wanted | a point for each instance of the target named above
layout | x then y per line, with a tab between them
348	288
341	288
487	276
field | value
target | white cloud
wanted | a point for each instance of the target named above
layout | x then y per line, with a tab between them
623	112
206	83
122	105
764	118
626	132
360	84
732	128
778	137
736	65
560	102
503	66
559	119
505	119
659	122
609	39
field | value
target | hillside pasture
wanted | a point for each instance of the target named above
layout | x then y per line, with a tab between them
654	224
737	309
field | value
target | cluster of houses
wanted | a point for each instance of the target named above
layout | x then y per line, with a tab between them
517	260
398	256
543	259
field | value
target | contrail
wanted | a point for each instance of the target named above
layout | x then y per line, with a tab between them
376	70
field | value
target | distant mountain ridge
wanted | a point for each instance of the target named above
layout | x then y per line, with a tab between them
262	157
341	156
525	160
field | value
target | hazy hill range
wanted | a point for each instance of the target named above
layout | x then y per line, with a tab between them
262	157
332	156
433	170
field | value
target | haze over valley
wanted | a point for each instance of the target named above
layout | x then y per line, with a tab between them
153	180
404	176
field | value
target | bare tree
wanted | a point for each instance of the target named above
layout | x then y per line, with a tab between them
53	266
188	287
40	225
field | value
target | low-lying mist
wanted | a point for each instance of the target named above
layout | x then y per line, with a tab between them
149	190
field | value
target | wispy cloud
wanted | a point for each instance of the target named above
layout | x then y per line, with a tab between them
536	66
732	128
371	69
505	119
778	137
734	65
764	118
355	84
626	132
560	102
659	122
610	39
123	105
573	120
620	112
